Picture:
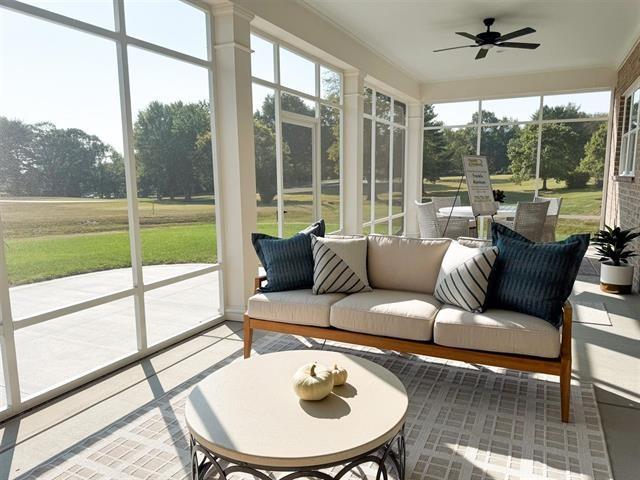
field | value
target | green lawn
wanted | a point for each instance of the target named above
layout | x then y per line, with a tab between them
51	238
61	237
41	258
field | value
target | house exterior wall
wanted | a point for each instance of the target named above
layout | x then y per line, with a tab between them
623	193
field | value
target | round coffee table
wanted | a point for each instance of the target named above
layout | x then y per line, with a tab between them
246	418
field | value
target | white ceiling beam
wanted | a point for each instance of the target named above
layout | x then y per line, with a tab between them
562	81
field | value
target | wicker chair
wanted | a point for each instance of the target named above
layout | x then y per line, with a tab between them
432	226
448	202
551	222
529	219
445	202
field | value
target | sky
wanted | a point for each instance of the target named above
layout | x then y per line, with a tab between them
50	73
522	109
70	78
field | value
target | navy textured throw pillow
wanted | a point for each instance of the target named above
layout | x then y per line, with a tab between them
534	278
288	262
316	229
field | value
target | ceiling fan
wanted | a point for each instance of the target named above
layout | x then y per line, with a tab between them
487	40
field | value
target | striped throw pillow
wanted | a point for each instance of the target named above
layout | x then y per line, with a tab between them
339	265
464	283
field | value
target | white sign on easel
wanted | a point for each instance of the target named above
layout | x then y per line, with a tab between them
476	171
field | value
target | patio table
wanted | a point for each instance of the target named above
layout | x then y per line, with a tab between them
246	418
504	211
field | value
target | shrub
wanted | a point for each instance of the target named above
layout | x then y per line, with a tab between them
577	179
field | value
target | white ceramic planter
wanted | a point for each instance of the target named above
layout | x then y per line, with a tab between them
616	279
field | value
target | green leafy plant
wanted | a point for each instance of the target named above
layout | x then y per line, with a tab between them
612	243
498	196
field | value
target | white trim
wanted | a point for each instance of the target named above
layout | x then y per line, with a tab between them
291	91
307	56
84	378
626	160
131	177
539	145
393	126
73	308
115	35
608	162
284	116
7	340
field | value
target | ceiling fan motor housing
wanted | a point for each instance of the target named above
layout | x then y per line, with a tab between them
488	37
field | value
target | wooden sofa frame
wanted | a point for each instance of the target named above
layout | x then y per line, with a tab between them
560	366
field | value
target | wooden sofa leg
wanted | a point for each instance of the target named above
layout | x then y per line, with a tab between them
565	362
565	388
248	336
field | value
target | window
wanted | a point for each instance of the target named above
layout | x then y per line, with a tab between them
297	135
383	163
102	261
630	138
571	130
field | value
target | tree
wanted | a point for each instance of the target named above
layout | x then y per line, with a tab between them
521	151
16	155
495	141
594	153
434	145
562	146
110	176
265	148
171	148
66	160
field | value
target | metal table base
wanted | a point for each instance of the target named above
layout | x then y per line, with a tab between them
205	464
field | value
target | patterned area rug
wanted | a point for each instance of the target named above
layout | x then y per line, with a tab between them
464	422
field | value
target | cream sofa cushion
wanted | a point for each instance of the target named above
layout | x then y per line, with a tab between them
389	313
496	330
401	263
300	307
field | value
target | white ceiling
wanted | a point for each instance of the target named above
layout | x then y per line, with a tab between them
573	33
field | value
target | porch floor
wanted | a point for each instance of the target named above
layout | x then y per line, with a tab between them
607	355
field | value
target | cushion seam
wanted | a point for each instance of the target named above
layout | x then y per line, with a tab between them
386	314
537	332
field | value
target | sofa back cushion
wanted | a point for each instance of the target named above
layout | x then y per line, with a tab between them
401	263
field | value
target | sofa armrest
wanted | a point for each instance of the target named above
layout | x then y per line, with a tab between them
257	282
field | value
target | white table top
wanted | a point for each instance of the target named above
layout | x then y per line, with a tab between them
248	411
505	210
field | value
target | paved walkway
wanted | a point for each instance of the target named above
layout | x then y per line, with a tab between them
54	351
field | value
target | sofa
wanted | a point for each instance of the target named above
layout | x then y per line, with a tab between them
402	314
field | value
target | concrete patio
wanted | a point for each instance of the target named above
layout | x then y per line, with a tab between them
55	351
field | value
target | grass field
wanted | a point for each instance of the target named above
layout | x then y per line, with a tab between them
51	238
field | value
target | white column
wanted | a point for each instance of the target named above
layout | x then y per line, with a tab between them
352	152
413	190
236	199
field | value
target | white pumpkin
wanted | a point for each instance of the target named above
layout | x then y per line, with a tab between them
339	375
312	382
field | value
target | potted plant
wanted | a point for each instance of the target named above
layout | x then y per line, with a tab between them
498	197
616	275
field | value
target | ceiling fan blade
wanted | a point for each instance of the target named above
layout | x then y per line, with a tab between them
517	33
529	46
469	36
482	53
454	48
